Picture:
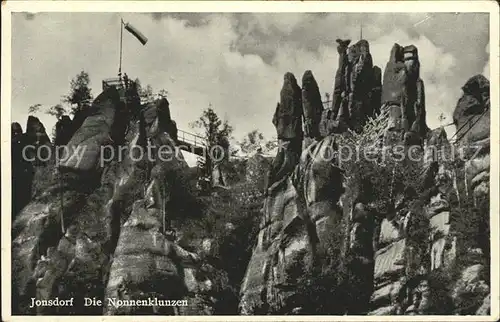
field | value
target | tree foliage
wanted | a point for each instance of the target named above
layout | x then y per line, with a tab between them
80	95
34	108
255	141
381	174
57	110
162	93
217	134
231	225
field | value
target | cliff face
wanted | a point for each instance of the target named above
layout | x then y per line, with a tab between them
357	87
410	251
103	226
301	203
27	167
335	234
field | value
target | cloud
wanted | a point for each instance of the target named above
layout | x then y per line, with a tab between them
193	19
234	61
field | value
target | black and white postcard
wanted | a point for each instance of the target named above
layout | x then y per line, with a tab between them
252	160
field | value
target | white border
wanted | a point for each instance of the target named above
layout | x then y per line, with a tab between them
248	6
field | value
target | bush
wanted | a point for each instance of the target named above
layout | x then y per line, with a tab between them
315	285
231	224
470	224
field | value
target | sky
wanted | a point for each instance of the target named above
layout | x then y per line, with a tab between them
235	61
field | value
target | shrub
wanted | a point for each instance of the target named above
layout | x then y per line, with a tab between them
231	224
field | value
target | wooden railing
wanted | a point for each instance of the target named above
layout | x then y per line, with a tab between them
115	81
192	143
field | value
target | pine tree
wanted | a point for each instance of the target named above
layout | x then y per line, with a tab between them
80	92
217	134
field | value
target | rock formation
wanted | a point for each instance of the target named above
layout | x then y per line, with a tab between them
414	255
357	88
404	97
137	268
31	152
78	238
340	79
297	211
64	130
472	119
288	122
36	134
406	237
22	170
313	106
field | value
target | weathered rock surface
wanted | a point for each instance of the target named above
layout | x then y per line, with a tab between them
288	122
301	201
313	105
416	253
288	115
42	224
404	260
329	125
403	96
32	154
79	238
36	133
295	218
472	119
105	123
357	85
22	170
448	251
340	80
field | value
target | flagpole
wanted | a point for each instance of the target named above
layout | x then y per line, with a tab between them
121	43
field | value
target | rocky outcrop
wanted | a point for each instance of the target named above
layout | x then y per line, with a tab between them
106	122
442	196
44	222
312	104
31	154
472	120
78	239
35	132
296	217
64	131
448	253
414	244
471	230
357	87
22	171
165	122
263	266
383	258
137	268
403	97
340	85
288	115
412	254
288	122
297	211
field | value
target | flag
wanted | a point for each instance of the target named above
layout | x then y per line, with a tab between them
136	33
